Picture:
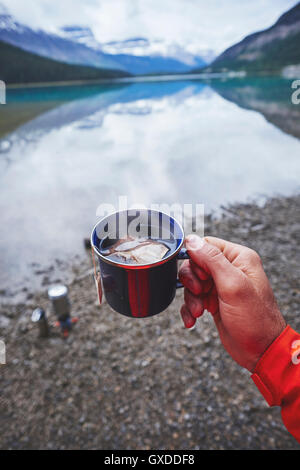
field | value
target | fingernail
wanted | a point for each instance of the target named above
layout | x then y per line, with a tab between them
193	242
196	311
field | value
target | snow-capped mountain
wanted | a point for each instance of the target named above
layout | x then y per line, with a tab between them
189	54
77	45
143	48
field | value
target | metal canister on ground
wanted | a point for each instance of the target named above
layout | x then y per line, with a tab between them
39	317
58	294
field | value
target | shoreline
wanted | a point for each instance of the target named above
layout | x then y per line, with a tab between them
154	78
131	79
185	391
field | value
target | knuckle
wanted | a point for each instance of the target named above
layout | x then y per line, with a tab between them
253	256
188	297
189	281
182	278
183	272
234	288
185	264
212	251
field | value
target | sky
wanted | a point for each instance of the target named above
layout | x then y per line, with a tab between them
195	24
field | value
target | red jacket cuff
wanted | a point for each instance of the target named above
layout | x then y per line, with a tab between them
273	371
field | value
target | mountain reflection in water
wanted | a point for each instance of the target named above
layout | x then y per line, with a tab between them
65	150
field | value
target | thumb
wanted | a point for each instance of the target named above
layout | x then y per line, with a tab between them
209	256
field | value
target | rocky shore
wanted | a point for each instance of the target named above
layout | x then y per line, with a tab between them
118	383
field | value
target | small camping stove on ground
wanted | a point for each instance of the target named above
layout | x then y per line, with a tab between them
58	294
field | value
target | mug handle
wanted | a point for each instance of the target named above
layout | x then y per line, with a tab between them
183	254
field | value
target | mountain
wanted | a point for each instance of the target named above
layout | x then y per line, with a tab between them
77	45
190	54
142	47
154	56
51	45
19	66
153	65
270	50
140	55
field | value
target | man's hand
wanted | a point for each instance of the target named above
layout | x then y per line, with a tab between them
229	281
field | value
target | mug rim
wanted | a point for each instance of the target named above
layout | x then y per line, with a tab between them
137	266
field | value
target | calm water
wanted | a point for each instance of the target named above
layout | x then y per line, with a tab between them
66	150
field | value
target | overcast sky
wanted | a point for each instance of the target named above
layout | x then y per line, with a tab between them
214	24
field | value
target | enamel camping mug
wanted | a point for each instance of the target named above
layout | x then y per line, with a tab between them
139	290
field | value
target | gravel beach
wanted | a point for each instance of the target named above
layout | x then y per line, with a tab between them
118	383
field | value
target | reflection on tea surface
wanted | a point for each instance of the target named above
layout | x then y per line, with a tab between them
136	251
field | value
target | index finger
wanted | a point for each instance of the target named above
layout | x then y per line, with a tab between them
189	278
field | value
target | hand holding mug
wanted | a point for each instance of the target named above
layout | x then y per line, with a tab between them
229	281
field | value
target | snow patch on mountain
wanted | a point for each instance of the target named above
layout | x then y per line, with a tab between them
190	55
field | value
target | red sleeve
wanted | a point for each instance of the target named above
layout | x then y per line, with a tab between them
277	376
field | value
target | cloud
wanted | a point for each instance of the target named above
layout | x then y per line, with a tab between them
216	24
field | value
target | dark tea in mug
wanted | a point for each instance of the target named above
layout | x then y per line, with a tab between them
137	250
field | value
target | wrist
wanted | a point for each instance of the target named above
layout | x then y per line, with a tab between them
280	327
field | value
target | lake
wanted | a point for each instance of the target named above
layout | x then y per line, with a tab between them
66	150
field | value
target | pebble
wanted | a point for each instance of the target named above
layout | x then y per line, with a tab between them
4	322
